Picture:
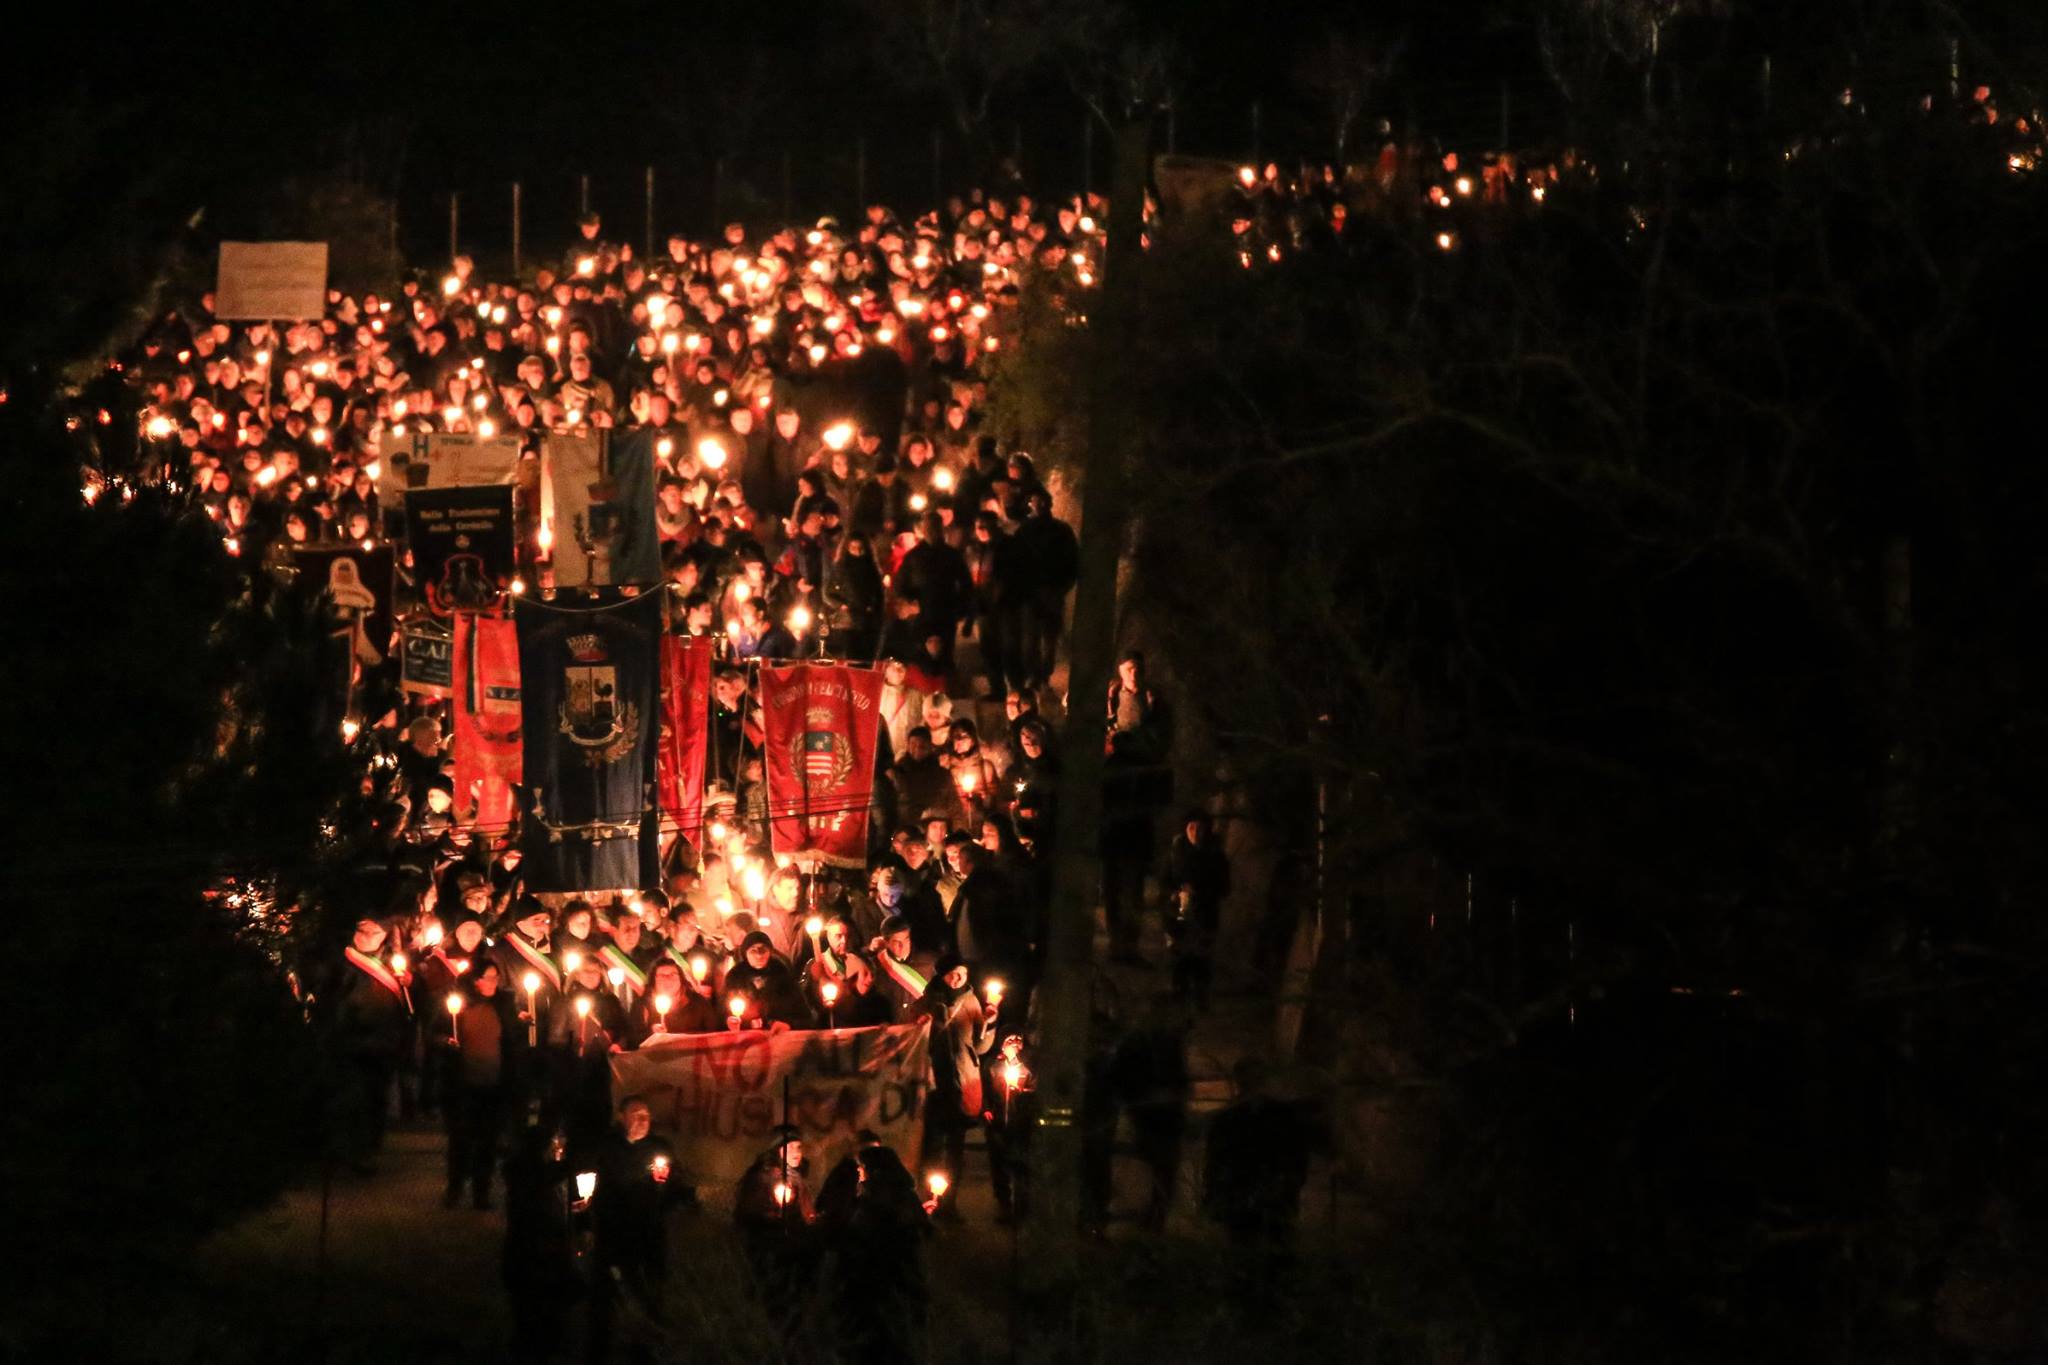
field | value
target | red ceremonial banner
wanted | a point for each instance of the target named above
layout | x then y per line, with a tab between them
487	715
685	731
821	725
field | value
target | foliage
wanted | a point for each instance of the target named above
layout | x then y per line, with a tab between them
1657	558
154	734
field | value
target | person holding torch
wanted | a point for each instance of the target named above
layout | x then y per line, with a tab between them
637	1184
963	1031
368	1023
483	1021
580	1039
676	1003
773	1212
761	990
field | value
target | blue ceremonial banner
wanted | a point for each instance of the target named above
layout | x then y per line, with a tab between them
636	552
589	678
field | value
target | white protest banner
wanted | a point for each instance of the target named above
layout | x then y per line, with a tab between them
718	1096
271	281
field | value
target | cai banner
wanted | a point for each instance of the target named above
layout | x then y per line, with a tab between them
589	681
461	540
718	1096
488	716
685	732
821	724
428	663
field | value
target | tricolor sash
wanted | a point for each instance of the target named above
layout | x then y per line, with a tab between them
536	959
451	963
906	977
635	973
375	970
682	960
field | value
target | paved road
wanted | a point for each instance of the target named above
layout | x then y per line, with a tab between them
403	1279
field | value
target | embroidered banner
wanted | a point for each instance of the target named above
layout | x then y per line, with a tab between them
822	720
589	693
462	545
685	732
487	716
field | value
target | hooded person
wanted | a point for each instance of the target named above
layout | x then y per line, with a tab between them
880	1296
575	935
773	1212
842	1183
761	991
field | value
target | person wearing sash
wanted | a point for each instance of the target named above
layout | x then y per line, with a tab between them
631	952
701	961
824	963
523	960
901	975
523	950
369	1010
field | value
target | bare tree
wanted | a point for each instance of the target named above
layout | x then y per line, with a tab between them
1343	70
967	52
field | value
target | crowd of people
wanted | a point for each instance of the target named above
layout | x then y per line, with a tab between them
829	483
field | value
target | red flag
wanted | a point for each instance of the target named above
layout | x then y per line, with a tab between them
822	721
487	739
685	731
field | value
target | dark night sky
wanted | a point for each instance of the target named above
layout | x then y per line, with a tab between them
224	102
471	97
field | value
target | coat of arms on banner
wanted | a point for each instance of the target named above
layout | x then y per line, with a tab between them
603	727
819	752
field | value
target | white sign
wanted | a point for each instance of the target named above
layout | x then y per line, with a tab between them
271	281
